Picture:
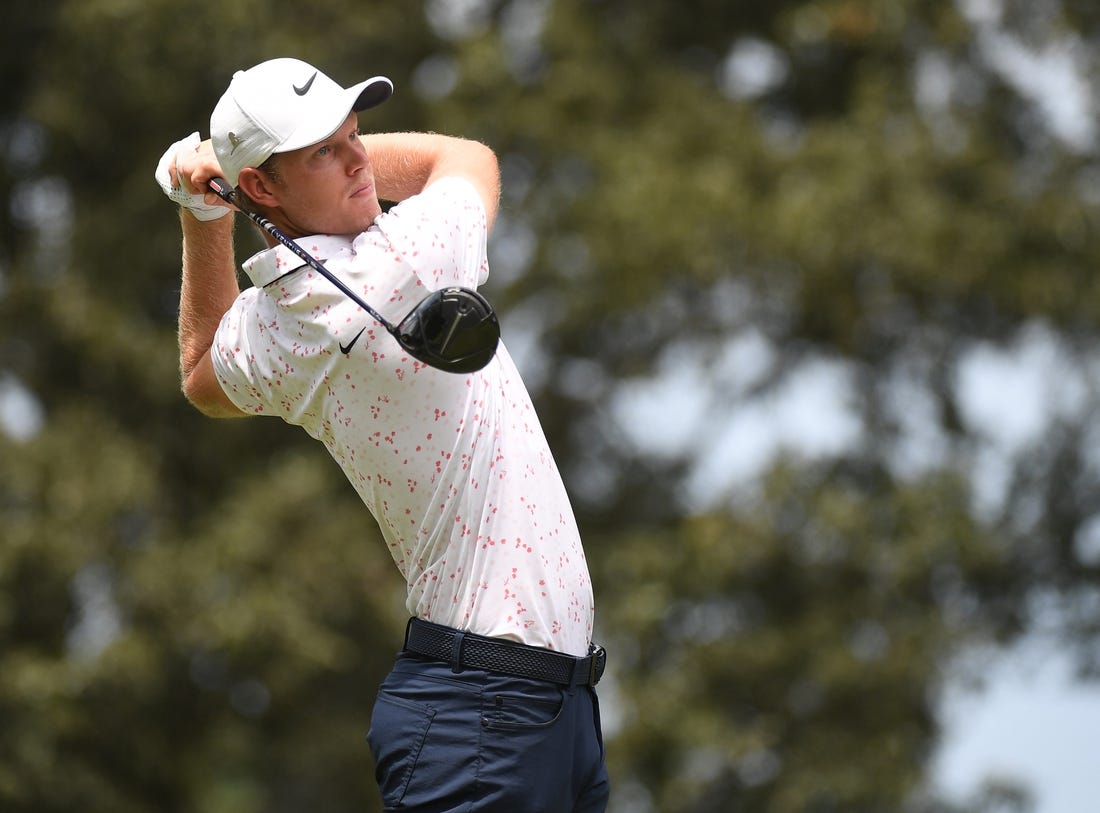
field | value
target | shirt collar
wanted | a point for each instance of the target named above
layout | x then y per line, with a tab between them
269	265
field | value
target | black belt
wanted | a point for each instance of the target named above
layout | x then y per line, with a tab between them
465	649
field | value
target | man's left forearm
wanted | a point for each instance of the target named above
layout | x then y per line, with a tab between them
405	163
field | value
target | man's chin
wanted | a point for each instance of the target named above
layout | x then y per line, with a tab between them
362	217
360	226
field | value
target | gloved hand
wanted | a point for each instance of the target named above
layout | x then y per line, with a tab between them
194	203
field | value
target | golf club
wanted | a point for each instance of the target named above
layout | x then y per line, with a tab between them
453	329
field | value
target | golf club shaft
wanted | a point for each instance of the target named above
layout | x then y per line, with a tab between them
224	191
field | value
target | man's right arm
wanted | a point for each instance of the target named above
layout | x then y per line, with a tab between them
208	289
209	283
406	163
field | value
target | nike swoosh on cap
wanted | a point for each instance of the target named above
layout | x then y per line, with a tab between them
346	348
304	89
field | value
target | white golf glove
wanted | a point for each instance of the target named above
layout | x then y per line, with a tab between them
177	194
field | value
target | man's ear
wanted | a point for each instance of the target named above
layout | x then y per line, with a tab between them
258	186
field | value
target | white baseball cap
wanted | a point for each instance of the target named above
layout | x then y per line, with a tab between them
282	105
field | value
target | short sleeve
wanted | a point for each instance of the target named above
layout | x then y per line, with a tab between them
242	356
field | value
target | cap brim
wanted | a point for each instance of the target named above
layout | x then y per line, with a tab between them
372	93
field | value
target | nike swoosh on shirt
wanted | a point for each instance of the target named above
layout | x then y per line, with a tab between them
346	348
304	89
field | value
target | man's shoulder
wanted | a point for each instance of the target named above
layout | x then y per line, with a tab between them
439	202
445	191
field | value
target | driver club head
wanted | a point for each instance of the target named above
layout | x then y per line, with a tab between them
453	329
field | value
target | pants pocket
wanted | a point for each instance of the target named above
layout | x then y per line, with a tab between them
398	729
504	712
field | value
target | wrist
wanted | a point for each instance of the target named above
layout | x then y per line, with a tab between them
189	219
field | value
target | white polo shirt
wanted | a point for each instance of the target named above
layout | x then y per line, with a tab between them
455	468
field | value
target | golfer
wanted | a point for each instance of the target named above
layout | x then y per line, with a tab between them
491	703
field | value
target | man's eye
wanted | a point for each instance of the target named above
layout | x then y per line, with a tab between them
323	151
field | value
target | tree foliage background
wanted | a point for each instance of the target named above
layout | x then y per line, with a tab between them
705	203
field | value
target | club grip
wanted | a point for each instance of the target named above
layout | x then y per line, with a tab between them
221	188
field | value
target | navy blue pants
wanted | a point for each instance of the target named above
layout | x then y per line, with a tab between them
480	742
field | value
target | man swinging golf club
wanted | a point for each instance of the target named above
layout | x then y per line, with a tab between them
364	328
